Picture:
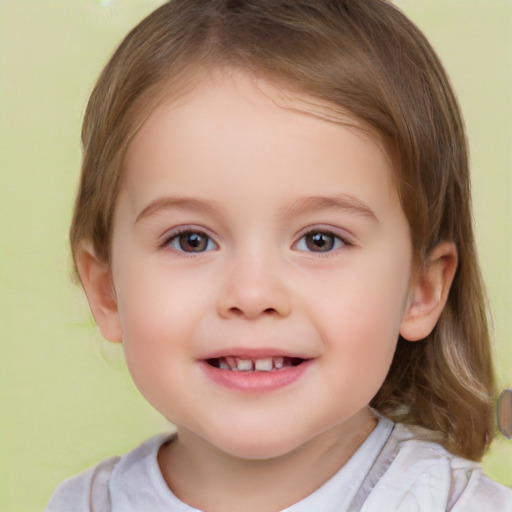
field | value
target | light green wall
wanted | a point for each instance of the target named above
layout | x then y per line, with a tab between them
65	396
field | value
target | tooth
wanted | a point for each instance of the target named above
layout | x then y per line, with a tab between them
264	365
278	362
231	362
223	365
244	365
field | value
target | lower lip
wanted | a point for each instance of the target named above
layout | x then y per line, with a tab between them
255	382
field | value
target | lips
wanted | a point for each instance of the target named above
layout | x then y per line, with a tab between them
255	372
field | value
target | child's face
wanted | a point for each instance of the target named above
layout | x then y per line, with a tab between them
246	230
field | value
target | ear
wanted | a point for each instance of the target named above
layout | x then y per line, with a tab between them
429	292
96	279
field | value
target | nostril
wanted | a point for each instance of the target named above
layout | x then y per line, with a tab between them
252	312
250	300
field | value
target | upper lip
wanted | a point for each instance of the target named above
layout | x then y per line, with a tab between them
254	353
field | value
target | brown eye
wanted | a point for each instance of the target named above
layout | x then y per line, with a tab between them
319	241
191	241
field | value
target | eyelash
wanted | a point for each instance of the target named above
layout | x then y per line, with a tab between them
338	242
174	237
335	242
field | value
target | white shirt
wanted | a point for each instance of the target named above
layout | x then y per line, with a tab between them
391	471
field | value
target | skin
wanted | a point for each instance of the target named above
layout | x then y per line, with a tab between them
241	163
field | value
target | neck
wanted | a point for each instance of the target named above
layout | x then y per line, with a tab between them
230	483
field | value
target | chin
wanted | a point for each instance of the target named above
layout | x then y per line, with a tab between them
258	445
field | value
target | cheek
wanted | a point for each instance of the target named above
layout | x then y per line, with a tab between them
367	306
157	316
359	321
363	335
156	300
360	348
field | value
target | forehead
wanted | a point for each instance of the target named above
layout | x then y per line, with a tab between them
194	83
228	125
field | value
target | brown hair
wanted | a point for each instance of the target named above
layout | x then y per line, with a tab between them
366	58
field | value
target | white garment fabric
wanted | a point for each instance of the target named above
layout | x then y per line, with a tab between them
418	476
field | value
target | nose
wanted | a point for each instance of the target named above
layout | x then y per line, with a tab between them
254	287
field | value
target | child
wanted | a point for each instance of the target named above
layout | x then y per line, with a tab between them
274	219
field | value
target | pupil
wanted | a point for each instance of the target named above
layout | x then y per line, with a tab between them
320	242
193	242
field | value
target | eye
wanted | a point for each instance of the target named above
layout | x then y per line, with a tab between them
319	241
191	242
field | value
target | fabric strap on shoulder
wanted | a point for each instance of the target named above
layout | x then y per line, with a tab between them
99	498
379	467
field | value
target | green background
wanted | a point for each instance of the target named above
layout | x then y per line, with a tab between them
66	398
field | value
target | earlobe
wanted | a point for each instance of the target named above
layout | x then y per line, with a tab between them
429	292
96	279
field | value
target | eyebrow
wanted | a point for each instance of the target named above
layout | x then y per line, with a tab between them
176	203
343	202
303	205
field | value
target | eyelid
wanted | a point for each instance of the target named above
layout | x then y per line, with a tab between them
346	238
186	228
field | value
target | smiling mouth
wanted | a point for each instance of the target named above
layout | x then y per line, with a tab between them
261	364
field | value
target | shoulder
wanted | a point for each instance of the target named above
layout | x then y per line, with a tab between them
90	491
77	493
424	477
